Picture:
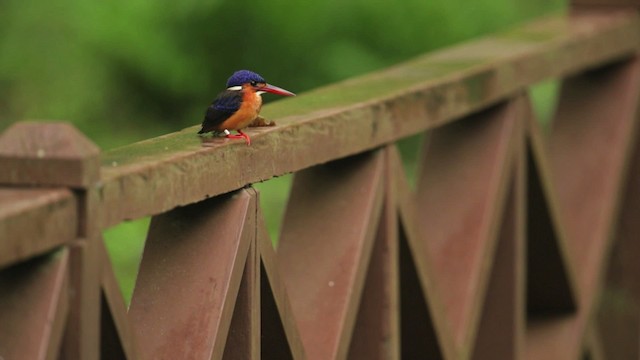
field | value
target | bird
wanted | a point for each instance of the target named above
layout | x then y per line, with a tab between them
239	105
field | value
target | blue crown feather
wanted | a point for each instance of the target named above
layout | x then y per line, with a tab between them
242	77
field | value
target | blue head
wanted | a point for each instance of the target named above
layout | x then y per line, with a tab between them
243	77
257	82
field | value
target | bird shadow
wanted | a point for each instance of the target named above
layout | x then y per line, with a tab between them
212	140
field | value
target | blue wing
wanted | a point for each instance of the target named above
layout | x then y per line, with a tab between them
225	105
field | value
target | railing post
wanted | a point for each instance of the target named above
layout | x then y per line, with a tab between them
58	155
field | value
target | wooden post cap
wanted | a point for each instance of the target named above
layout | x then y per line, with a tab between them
49	154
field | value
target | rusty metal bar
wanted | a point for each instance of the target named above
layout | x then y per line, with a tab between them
189	277
117	339
280	335
324	249
424	328
501	331
82	331
619	309
243	341
589	145
377	334
551	281
460	196
33	307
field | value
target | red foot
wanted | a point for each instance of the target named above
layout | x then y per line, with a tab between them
241	136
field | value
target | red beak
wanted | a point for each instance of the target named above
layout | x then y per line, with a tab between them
276	90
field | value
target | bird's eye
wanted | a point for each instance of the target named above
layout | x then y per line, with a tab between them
254	83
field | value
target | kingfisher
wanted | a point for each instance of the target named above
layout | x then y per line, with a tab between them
239	105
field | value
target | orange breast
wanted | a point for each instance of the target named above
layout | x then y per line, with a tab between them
249	110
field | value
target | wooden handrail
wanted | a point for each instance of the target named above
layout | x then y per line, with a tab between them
33	221
361	113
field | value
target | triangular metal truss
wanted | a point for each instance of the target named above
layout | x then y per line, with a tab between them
497	254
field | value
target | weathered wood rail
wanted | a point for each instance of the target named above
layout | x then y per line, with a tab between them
517	242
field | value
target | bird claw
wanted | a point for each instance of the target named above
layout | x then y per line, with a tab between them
240	135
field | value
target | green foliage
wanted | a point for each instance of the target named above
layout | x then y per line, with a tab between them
125	70
543	99
130	69
124	244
